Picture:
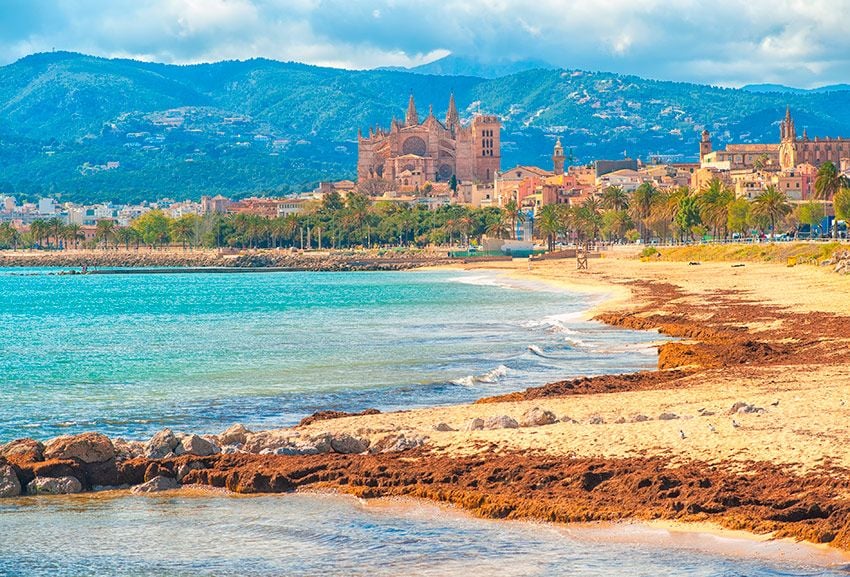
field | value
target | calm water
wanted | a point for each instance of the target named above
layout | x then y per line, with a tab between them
130	354
306	535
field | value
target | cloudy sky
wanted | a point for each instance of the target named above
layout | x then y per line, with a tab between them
728	42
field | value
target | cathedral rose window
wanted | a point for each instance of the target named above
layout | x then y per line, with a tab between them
414	145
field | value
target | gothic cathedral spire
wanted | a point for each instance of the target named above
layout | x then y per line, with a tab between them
452	118
412	118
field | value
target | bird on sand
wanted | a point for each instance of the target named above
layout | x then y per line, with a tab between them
735	423
775	403
681	433
711	428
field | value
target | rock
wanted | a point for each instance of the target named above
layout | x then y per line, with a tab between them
54	486
125	450
475	424
195	445
668	417
620	421
568	419
232	450
23	451
501	422
536	417
156	484
443	427
187	468
235	435
86	447
10	485
596	420
396	443
321	442
640	418
161	444
346	444
743	408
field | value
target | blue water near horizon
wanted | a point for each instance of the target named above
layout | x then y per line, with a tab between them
127	355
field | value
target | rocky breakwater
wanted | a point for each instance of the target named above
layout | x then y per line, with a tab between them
840	262
91	461
205	259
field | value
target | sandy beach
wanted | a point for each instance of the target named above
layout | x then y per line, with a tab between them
742	427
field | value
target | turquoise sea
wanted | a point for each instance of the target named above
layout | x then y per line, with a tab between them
130	354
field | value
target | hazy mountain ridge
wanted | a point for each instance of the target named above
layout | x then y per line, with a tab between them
266	126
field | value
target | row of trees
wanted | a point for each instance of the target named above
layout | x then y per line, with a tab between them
679	214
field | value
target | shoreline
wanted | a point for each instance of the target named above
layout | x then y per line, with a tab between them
801	485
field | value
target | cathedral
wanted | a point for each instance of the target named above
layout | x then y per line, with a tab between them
413	153
787	155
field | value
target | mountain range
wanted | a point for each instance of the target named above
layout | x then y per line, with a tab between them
90	129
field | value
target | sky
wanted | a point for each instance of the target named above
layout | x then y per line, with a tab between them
802	43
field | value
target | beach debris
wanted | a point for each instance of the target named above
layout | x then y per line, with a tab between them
475	424
711	428
10	485
596	420
397	443
161	444
348	444
443	427
536	417
775	403
705	413
26	450
86	447
739	265
195	445
54	486
668	417
501	422
158	483
694	263
234	435
640	418
743	408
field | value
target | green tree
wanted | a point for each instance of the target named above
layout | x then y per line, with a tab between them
105	231
771	204
841	202
515	215
152	228
687	215
549	224
713	202
185	230
738	220
810	213
828	181
72	234
643	200
615	198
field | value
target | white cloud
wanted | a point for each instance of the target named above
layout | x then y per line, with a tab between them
798	42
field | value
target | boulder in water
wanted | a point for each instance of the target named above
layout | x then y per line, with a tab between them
195	445
86	447
54	486
161	445
23	451
158	483
10	485
235	435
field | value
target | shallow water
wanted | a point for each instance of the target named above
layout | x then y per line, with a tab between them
130	354
307	534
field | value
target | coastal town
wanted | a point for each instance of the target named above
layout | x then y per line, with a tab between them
797	187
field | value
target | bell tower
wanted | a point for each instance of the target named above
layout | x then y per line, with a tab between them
788	144
558	158
704	145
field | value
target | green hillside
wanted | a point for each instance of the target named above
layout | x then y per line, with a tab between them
267	127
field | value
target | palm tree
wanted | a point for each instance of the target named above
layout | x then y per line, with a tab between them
38	230
713	202
549	223
126	235
829	181
515	215
643	199
615	198
54	228
73	233
772	204
105	231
